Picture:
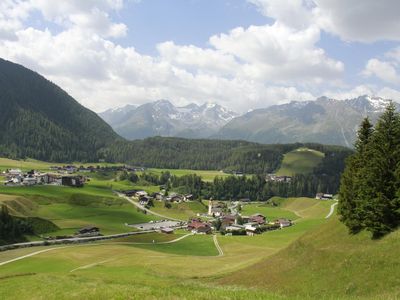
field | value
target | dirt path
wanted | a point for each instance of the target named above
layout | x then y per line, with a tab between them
220	252
29	255
332	210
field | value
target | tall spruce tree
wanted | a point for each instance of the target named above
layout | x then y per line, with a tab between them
370	186
381	182
351	181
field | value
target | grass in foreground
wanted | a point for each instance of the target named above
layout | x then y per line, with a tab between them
329	262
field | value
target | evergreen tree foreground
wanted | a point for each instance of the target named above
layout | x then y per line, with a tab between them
369	197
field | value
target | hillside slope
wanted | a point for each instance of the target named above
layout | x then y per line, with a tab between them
300	161
331	264
38	119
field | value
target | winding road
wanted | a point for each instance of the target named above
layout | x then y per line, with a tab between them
146	209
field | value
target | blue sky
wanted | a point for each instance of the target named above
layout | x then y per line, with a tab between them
184	21
242	54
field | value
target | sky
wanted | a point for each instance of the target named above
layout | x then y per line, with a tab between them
242	54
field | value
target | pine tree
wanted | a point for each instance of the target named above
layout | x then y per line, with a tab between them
352	182
380	205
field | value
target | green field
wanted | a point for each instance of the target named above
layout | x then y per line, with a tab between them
271	213
181	211
206	175
72	208
300	161
32	164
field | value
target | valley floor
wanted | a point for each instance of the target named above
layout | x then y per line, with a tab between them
313	259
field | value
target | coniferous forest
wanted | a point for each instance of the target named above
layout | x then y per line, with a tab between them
370	185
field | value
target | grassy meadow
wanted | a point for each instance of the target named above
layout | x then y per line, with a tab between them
187	269
300	161
205	174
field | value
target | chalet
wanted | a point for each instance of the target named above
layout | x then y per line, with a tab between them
322	196
198	226
73	181
14	172
216	209
29	180
158	196
228	220
257	218
167	230
140	194
275	178
88	231
129	193
176	198
245	200
251	231
283	222
144	200
233	228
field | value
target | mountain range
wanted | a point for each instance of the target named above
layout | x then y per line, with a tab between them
325	120
162	118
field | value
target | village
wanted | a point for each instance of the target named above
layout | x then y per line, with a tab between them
222	217
16	177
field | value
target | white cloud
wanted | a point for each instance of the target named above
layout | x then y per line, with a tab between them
279	54
293	13
383	70
364	21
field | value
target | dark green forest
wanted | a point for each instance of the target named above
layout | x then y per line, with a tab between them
40	120
230	156
370	187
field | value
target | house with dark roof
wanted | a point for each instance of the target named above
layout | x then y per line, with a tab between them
199	226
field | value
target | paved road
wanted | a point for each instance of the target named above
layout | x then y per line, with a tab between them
147	210
220	252
332	210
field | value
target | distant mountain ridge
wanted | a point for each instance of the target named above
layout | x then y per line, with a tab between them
162	118
325	120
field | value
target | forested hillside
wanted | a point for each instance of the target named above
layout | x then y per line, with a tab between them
230	156
40	120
